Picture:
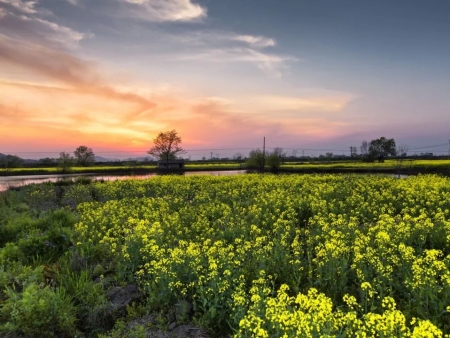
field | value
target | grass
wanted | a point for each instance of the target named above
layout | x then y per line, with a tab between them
389	166
125	169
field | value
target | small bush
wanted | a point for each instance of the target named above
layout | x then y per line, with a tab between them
92	308
38	312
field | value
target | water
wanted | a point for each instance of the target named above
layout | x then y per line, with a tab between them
18	181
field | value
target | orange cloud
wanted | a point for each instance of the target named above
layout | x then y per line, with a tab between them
61	119
53	117
325	103
66	101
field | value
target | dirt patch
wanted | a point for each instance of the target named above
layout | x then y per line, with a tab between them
172	331
121	297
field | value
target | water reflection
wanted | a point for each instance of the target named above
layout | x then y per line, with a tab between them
18	181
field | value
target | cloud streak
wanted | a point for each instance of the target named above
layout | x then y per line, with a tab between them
29	25
165	10
22	6
255	41
227	47
67	70
271	64
305	104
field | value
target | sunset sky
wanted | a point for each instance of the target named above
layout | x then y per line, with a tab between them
316	74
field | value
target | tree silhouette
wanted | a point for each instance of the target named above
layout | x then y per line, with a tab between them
84	156
8	162
166	146
382	147
65	162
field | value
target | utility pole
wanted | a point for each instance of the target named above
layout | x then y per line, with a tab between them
211	156
264	153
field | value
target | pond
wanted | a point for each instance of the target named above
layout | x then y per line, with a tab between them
18	181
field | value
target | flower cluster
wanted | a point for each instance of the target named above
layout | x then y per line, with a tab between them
285	256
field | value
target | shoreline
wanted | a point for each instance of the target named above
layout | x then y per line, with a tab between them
305	170
112	171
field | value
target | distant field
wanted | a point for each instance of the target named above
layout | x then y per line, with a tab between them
389	165
116	168
81	169
213	165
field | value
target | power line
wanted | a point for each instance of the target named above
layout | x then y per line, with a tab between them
132	151
214	150
432	146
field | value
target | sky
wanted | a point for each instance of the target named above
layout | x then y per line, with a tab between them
305	74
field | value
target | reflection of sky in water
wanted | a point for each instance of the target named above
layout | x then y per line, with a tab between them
17	181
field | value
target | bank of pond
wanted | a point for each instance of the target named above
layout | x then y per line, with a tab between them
407	167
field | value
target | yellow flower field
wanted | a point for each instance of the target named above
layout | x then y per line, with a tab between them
282	256
248	256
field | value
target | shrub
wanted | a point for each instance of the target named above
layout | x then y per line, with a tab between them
38	312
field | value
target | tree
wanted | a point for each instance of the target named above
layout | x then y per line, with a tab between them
353	152
381	148
47	161
166	146
237	157
65	162
8	162
274	159
84	156
401	151
256	159
279	152
364	148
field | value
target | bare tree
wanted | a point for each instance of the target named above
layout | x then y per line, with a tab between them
401	152
84	156
166	146
353	151
65	162
237	157
279	151
364	148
